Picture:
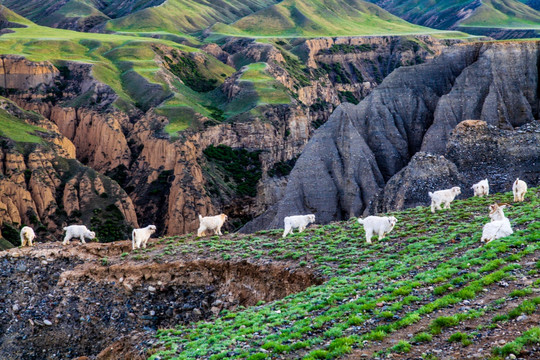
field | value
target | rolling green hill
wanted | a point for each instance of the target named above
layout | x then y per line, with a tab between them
310	18
448	14
125	63
416	281
76	14
163	16
187	16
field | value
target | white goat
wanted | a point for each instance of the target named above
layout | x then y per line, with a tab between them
519	189
499	226
213	223
140	236
481	188
77	232
443	197
299	222
27	236
380	225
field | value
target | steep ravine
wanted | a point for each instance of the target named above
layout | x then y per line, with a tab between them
351	157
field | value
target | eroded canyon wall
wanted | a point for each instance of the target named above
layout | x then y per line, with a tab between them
414	109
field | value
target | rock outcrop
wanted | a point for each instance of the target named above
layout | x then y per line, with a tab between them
475	151
18	73
414	109
42	185
48	192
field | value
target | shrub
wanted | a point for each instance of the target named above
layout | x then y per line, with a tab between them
422	337
402	347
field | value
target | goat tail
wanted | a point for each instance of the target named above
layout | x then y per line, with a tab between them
430	194
200	217
361	221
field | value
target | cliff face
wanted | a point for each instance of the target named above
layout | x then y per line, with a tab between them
41	189
21	74
414	109
41	183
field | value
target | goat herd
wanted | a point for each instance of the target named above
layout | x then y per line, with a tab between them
381	225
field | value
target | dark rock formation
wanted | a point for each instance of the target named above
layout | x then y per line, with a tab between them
414	109
483	151
475	151
410	186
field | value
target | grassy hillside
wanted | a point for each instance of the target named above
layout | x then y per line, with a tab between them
504	14
320	18
448	14
62	13
432	278
128	64
18	130
187	16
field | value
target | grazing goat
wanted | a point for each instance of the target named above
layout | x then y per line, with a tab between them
140	236
213	223
27	236
380	225
499	226
519	189
77	232
297	222
481	188
443	197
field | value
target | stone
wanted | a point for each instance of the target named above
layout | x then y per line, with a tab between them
47	322
151	289
215	310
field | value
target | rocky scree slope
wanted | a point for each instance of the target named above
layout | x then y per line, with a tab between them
100	301
474	151
351	157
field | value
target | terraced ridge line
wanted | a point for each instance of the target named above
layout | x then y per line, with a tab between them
430	262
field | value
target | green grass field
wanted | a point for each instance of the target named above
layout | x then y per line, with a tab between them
429	264
258	88
311	18
186	16
17	130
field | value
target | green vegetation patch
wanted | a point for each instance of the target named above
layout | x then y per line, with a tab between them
348	49
370	290
529	337
238	169
18	130
282	168
311	18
